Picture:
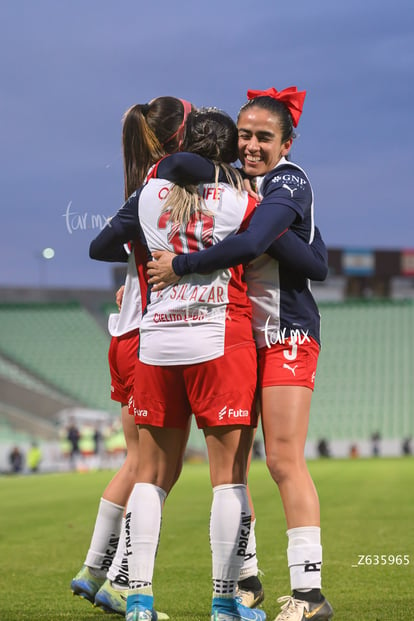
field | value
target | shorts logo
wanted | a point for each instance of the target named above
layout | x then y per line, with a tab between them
293	369
232	413
137	412
140	412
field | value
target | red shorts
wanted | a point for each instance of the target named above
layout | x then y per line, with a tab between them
218	392
122	356
284	364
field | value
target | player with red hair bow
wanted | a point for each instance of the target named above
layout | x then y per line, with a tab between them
286	325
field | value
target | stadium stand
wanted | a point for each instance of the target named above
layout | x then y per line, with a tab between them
8	433
61	346
54	355
364	378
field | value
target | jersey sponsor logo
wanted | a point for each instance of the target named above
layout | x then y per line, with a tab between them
291	190
232	413
163	193
203	313
289	179
214	193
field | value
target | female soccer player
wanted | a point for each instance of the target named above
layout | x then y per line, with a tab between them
286	325
150	131
200	342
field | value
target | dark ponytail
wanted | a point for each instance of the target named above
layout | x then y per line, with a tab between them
149	132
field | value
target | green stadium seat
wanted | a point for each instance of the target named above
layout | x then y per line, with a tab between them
63	346
364	380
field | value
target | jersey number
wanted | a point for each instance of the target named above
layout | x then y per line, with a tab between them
198	233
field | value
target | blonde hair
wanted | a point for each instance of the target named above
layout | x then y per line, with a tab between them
184	201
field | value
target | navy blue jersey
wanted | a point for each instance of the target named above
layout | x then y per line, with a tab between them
282	301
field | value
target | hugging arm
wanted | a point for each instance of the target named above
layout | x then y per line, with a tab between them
124	226
185	169
311	260
188	169
267	223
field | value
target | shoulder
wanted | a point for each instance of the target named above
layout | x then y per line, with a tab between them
132	201
287	177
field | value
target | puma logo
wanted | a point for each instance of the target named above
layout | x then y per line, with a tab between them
291	190
293	369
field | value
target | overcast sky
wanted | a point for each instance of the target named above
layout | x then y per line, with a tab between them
69	70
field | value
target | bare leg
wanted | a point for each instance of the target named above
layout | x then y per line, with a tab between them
285	419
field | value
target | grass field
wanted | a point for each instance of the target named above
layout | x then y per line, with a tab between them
367	509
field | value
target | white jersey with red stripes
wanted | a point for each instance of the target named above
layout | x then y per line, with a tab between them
129	317
187	323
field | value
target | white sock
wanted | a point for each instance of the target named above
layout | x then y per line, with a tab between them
250	567
305	557
105	537
229	533
118	571
143	526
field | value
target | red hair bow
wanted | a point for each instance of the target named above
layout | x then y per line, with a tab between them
290	96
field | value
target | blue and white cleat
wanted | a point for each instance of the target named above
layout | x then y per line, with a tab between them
85	584
140	608
231	610
111	599
250	592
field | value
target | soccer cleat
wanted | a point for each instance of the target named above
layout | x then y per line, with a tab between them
250	592
299	610
137	614
140	608
112	599
231	610
86	584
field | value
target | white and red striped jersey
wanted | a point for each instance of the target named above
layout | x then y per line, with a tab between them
196	319
129	317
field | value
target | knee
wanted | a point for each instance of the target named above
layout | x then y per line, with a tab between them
278	468
130	469
284	465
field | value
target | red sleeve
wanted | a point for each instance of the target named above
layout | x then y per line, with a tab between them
153	171
251	206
